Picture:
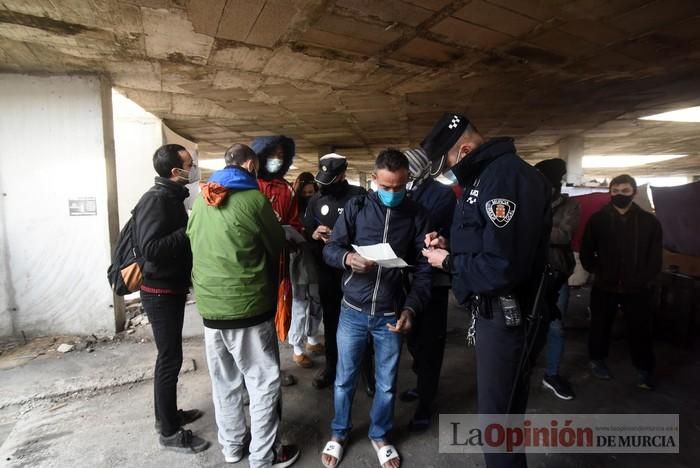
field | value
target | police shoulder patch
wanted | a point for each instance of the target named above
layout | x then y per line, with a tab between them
500	211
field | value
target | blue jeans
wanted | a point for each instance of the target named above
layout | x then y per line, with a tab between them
354	329
555	334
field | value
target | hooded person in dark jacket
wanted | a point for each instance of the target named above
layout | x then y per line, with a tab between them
622	247
160	220
565	216
276	154
426	342
374	300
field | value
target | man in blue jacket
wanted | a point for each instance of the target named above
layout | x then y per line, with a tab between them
497	255
374	301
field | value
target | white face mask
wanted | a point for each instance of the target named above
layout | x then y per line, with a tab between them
188	177
273	165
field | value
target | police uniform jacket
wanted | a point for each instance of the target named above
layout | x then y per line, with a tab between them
324	208
502	222
439	201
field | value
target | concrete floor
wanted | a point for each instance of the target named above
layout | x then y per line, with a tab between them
106	418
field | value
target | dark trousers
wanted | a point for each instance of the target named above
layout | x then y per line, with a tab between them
331	294
636	310
166	314
499	350
427	346
549	311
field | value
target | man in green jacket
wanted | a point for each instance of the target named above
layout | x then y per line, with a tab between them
236	241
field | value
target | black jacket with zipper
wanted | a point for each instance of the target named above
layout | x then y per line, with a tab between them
325	209
622	251
160	219
366	221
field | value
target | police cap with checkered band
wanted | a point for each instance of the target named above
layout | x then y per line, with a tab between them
442	137
330	167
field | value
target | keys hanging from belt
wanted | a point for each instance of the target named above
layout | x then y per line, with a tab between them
471	332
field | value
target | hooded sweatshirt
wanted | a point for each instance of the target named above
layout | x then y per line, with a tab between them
236	241
274	186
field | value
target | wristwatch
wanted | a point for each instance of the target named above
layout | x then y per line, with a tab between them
447	263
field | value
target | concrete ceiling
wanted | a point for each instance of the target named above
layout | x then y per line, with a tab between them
360	75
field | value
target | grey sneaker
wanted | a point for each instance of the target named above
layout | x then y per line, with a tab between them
600	370
184	416
184	441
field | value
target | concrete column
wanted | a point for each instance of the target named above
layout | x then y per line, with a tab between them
364	181
571	151
111	183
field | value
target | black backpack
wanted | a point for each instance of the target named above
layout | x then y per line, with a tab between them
125	273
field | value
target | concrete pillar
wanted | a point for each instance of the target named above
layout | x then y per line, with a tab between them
571	151
111	182
364	180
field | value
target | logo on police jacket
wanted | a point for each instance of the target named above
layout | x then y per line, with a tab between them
500	211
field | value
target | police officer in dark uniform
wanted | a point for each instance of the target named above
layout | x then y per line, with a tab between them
497	255
323	210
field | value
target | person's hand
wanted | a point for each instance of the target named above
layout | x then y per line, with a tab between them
435	256
358	263
403	324
322	233
434	241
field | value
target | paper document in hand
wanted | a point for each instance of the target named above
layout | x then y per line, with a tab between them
382	254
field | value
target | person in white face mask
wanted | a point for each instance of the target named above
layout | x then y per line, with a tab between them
160	219
275	156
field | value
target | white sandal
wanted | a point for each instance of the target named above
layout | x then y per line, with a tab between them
386	453
335	450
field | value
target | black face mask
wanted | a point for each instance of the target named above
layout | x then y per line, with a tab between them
621	201
335	190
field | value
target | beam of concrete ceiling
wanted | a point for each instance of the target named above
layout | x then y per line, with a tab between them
359	75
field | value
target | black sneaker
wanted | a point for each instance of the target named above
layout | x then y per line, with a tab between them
559	386
408	396
287	455
287	379
323	379
185	417
184	441
645	382
600	370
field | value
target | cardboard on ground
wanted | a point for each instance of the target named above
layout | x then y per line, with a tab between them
382	254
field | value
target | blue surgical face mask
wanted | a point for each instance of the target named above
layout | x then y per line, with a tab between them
450	176
273	165
391	199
